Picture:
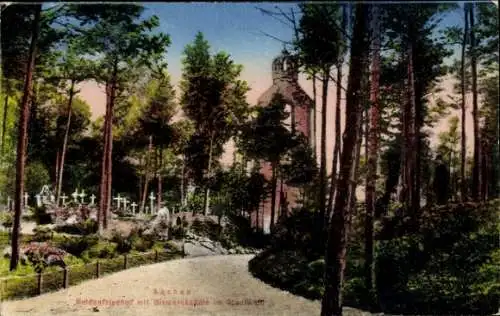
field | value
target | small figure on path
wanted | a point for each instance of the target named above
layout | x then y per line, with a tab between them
441	181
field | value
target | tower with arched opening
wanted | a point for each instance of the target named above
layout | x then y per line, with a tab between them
285	74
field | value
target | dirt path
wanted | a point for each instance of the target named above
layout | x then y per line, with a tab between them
218	285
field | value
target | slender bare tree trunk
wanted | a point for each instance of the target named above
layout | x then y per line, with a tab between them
414	167
108	174
476	170
353	182
183	175
58	159
206	200
463	184
313	116
274	183
103	185
257	218
160	189
4	124
65	142
372	162
410	132
322	168
22	141
336	149
337	238
147	176
109	169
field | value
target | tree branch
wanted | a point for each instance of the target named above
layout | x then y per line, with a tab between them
276	38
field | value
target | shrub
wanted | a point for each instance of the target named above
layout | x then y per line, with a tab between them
42	234
441	266
102	250
86	227
77	245
195	203
6	219
40	215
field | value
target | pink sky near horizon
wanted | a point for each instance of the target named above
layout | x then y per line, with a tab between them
259	80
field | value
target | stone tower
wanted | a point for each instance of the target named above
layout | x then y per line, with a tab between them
285	76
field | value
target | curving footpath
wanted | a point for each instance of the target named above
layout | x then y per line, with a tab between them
214	285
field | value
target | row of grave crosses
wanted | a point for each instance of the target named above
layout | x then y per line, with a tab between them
79	198
123	201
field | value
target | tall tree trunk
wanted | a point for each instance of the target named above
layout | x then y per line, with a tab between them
109	150
58	159
410	134
313	116
476	170
160	189
463	183
148	172
103	185
372	162
206	200
416	106
337	238
322	168
183	175
140	181
353	182
109	168
65	142
336	149
4	124
274	183
257	218
22	140
282	199
406	195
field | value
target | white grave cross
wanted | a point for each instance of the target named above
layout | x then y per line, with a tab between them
118	199
125	202
26	196
152	198
134	205
63	198
38	200
75	196
82	196
92	199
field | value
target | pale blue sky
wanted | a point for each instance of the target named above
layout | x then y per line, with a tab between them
235	28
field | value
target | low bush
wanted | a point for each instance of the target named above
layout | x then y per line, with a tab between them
41	216
86	227
42	233
102	250
77	245
6	219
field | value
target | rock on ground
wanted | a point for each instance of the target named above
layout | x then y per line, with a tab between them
221	285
